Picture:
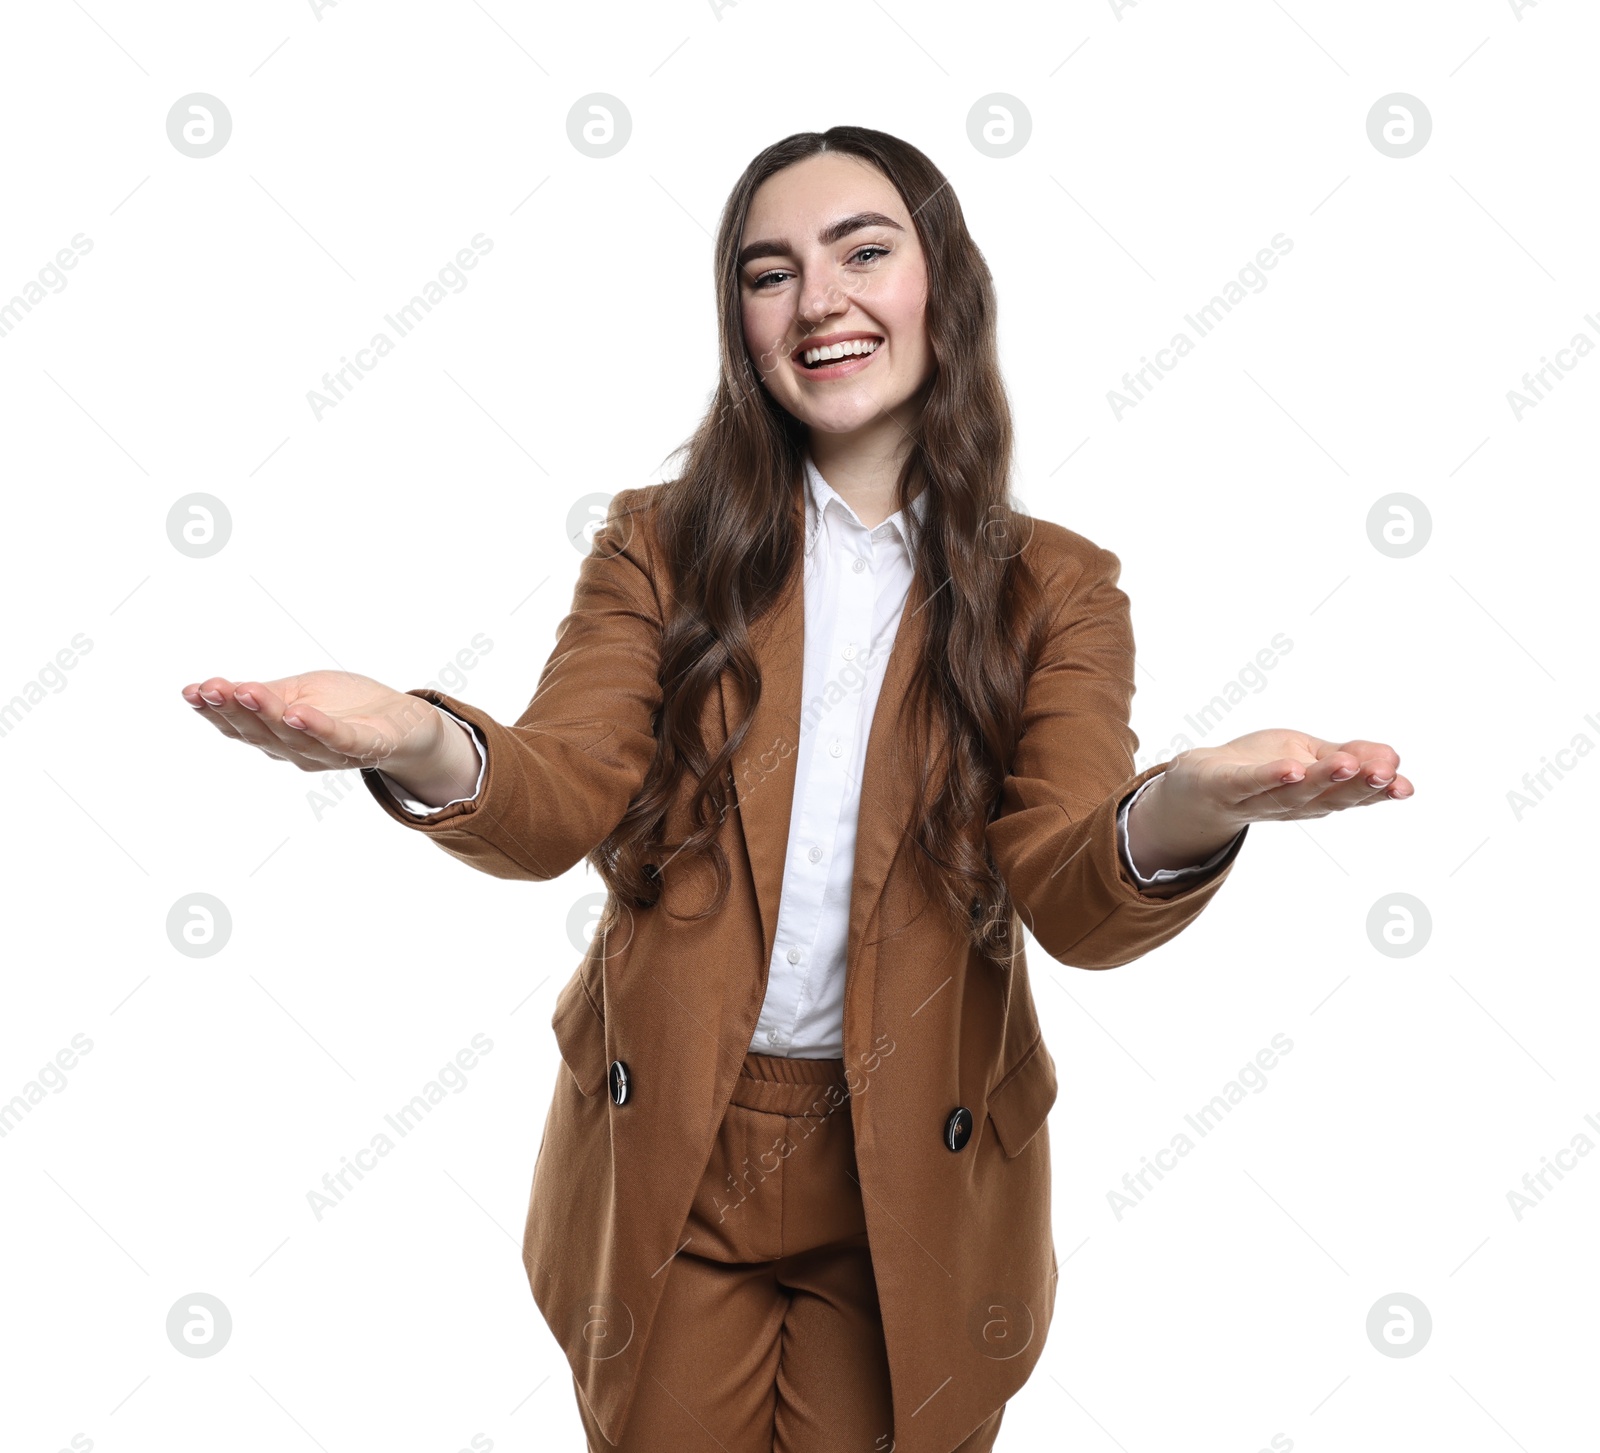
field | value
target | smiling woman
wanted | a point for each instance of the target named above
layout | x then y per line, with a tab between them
837	725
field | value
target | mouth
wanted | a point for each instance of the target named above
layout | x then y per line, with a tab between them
836	358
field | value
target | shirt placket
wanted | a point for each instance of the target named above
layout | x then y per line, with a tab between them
853	597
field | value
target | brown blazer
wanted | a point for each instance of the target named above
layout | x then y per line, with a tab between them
961	1241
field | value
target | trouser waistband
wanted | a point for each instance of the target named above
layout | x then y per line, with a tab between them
780	1085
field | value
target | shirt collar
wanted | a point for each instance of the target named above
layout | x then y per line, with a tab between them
820	494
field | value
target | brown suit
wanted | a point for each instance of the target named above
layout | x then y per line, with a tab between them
960	1241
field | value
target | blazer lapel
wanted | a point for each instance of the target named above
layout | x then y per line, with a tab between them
889	776
764	769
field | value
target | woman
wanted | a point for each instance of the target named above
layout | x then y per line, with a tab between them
835	724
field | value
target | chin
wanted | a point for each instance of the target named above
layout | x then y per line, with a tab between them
840	421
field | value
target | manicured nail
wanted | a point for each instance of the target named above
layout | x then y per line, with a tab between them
244	698
1342	774
214	700
294	721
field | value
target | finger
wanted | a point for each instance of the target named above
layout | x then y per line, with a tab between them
272	714
1287	786
1376	781
1359	792
207	709
1354	792
219	694
329	736
1243	781
1379	761
1291	789
1373	762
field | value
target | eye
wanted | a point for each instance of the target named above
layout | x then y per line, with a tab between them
765	280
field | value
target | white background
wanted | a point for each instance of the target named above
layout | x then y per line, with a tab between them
1169	144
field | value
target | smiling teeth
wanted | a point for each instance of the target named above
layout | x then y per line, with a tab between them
840	350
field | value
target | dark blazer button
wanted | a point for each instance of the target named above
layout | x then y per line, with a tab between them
958	1128
621	1083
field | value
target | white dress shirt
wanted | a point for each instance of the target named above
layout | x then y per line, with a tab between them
856	584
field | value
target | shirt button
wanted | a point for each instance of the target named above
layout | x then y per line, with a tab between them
849	653
794	956
773	1037
859	566
836	748
815	855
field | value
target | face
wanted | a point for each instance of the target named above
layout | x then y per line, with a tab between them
829	256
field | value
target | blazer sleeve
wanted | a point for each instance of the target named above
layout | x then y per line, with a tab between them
1054	838
559	780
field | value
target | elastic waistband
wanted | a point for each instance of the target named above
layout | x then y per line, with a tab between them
780	1085
783	1070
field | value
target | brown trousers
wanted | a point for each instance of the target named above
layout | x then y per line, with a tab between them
768	1338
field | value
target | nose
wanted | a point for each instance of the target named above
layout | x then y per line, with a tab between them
820	298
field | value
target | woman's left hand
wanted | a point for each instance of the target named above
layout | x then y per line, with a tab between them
1208	793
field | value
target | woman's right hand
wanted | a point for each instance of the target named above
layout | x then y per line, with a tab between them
328	721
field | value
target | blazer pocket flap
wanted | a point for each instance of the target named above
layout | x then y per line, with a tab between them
1019	1104
580	1036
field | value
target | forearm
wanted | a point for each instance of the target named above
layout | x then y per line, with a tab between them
1073	894
1163	833
547	798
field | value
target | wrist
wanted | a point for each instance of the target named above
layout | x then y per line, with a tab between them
1168	829
414	726
435	760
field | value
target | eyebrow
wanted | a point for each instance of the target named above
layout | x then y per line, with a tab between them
774	247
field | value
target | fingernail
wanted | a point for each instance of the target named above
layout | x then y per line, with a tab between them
214	700
1343	774
244	698
1380	781
294	721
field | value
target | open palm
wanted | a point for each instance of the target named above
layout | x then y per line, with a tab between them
1278	775
322	721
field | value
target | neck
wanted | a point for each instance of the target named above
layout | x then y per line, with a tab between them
863	471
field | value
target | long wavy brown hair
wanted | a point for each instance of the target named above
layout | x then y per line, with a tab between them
729	532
